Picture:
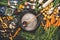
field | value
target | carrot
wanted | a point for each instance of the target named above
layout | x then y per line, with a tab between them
10	17
21	6
16	33
1	19
58	22
52	19
47	23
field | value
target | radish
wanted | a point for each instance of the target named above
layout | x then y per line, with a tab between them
8	3
46	3
59	7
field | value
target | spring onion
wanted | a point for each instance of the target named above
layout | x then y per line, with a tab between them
46	3
40	1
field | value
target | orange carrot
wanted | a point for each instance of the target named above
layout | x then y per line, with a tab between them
58	22
47	23
52	19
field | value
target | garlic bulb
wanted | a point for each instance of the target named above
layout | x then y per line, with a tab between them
12	25
27	7
33	7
